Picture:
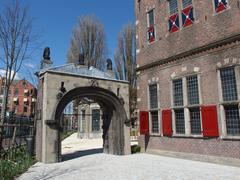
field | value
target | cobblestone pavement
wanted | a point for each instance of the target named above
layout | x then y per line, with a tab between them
101	166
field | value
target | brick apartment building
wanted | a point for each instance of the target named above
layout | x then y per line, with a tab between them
188	68
21	99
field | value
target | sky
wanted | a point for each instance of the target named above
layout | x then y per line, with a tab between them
54	21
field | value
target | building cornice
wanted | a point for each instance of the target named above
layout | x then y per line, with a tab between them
191	52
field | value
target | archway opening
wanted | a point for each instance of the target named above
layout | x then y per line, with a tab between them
106	117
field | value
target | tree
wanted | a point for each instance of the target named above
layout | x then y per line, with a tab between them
16	44
88	38
125	61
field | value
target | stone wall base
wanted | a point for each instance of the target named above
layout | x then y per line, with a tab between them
212	147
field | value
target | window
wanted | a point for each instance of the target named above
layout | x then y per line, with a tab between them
95	120
192	90
186	3
173	6
220	5
193	118
154	119
232	120
180	122
151	27
187	13
173	21
153	96
229	87
230	95
178	92
195	121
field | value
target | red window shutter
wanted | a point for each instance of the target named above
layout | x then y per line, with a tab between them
210	121
151	34
167	122
144	123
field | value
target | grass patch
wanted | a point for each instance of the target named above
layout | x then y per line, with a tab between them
15	162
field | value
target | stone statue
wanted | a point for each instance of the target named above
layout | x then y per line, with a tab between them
109	64
46	61
46	53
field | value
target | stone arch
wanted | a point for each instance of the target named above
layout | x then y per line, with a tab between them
60	85
115	116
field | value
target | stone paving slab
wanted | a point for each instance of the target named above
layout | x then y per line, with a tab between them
131	167
91	164
197	157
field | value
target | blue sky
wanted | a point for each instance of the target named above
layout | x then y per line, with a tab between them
55	19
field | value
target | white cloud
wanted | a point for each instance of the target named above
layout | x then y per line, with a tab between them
30	65
2	74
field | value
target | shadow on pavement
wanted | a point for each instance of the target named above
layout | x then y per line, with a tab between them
82	153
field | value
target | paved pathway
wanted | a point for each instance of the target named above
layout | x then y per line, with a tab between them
132	167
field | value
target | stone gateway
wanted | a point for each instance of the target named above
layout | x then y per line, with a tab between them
104	89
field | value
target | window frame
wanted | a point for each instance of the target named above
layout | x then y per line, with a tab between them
214	8
186	107
154	26
223	104
156	109
169	9
235	83
92	130
187	5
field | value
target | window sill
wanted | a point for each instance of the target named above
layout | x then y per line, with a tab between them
188	136
151	43
155	134
231	138
229	102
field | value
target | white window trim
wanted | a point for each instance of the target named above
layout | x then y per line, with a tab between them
186	107
222	119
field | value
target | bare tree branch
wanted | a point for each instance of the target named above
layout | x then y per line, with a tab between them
16	40
125	61
88	38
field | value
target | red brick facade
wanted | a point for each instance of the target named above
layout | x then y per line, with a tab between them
203	49
22	98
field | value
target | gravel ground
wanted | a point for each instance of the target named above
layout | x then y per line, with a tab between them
132	167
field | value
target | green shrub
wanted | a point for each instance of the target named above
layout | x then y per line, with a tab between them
14	162
135	149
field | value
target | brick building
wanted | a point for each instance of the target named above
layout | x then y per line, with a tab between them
21	99
188	68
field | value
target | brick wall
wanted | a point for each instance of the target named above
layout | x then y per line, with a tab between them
208	27
213	147
29	96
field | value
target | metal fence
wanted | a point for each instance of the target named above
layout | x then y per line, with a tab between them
15	131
